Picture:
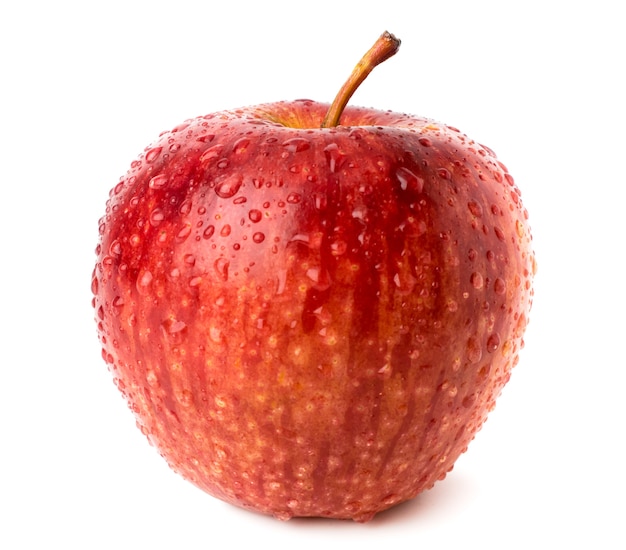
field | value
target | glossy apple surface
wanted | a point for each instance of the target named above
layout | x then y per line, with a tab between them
313	321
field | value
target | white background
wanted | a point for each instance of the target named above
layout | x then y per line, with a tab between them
84	89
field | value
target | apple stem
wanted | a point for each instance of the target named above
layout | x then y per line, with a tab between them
386	46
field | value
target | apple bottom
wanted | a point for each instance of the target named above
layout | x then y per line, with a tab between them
349	438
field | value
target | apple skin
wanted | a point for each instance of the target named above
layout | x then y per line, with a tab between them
313	321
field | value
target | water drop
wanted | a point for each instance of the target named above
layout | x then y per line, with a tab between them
474	350
228	188
94	283
293	198
258	237
255	215
174	328
185	207
409	181
475	208
226	230
334	157
190	260
221	266
499	233
211	154
184	232
321	201
296	145
338	247
444	174
143	280
241	145
208	232
425	142
118	304
360	212
153	154
499	286
116	248
223	163
205	138
477	280
493	342
158	182
156	217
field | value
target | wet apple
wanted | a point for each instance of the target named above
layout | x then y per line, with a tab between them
312	308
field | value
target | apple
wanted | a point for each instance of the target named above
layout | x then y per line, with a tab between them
312	308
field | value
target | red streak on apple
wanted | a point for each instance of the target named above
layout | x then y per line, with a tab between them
313	321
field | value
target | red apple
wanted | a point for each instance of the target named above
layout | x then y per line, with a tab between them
312	319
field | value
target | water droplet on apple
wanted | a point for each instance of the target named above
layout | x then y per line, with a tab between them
321	201
208	232
475	208
143	280
184	232
360	212
425	142
241	145
294	198
499	286
153	154
211	154
228	188
493	342
283	515
334	156
158	182
509	179
255	215
477	280
115	249
94	283
301	238
258	237
338	247
499	233
409	181
296	145
175	330
282	281
156	217
221	266
185	207
118	304
443	173
474	350
226	230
